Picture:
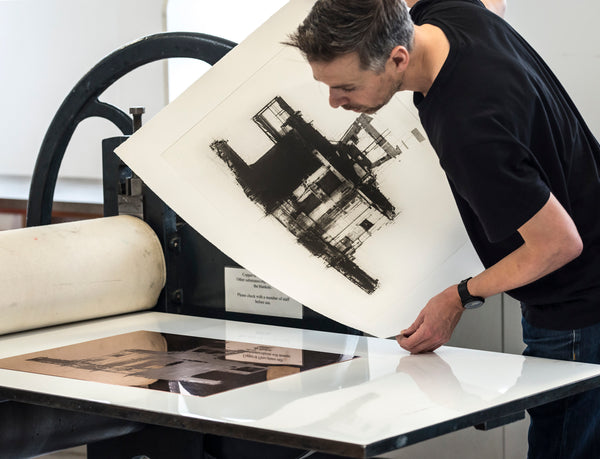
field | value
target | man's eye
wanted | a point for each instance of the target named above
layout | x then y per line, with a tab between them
350	89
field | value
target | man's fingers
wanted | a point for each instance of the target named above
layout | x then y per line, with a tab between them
413	328
408	332
410	339
416	343
421	340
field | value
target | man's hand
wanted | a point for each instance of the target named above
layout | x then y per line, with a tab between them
435	323
551	240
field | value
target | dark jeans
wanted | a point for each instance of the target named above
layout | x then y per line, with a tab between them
568	428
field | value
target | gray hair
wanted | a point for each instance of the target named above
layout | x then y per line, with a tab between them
372	28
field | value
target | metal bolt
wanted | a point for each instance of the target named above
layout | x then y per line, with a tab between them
137	113
177	296
175	243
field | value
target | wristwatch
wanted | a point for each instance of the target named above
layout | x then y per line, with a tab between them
468	301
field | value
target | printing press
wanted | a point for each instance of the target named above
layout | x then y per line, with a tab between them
193	285
33	422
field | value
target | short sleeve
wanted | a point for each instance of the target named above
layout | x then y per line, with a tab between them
501	182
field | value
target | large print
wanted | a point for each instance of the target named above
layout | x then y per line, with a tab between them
349	214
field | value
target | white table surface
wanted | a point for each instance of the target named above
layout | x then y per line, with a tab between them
382	401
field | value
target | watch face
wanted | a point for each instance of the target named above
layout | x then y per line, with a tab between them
473	304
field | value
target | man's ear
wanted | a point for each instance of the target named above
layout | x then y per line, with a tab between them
399	58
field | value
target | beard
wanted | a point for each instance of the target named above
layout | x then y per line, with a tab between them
371	109
364	109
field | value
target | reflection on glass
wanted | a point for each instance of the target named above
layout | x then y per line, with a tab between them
168	362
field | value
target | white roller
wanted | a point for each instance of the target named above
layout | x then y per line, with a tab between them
80	270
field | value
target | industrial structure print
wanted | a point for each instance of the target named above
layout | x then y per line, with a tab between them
324	192
350	215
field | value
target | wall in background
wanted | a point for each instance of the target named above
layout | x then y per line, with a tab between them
566	34
46	47
230	19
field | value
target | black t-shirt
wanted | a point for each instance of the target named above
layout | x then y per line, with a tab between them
507	135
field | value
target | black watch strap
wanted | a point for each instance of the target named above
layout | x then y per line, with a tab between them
468	301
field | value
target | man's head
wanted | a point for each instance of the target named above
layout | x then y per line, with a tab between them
359	48
370	28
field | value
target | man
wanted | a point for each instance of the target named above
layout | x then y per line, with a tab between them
522	165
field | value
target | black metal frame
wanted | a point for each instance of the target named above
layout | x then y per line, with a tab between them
82	103
203	285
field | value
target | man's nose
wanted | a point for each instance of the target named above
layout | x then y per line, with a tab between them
337	98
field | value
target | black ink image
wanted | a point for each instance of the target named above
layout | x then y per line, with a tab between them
173	363
325	193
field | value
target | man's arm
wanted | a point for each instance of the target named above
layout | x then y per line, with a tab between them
497	6
551	240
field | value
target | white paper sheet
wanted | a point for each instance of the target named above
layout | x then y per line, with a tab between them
369	256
